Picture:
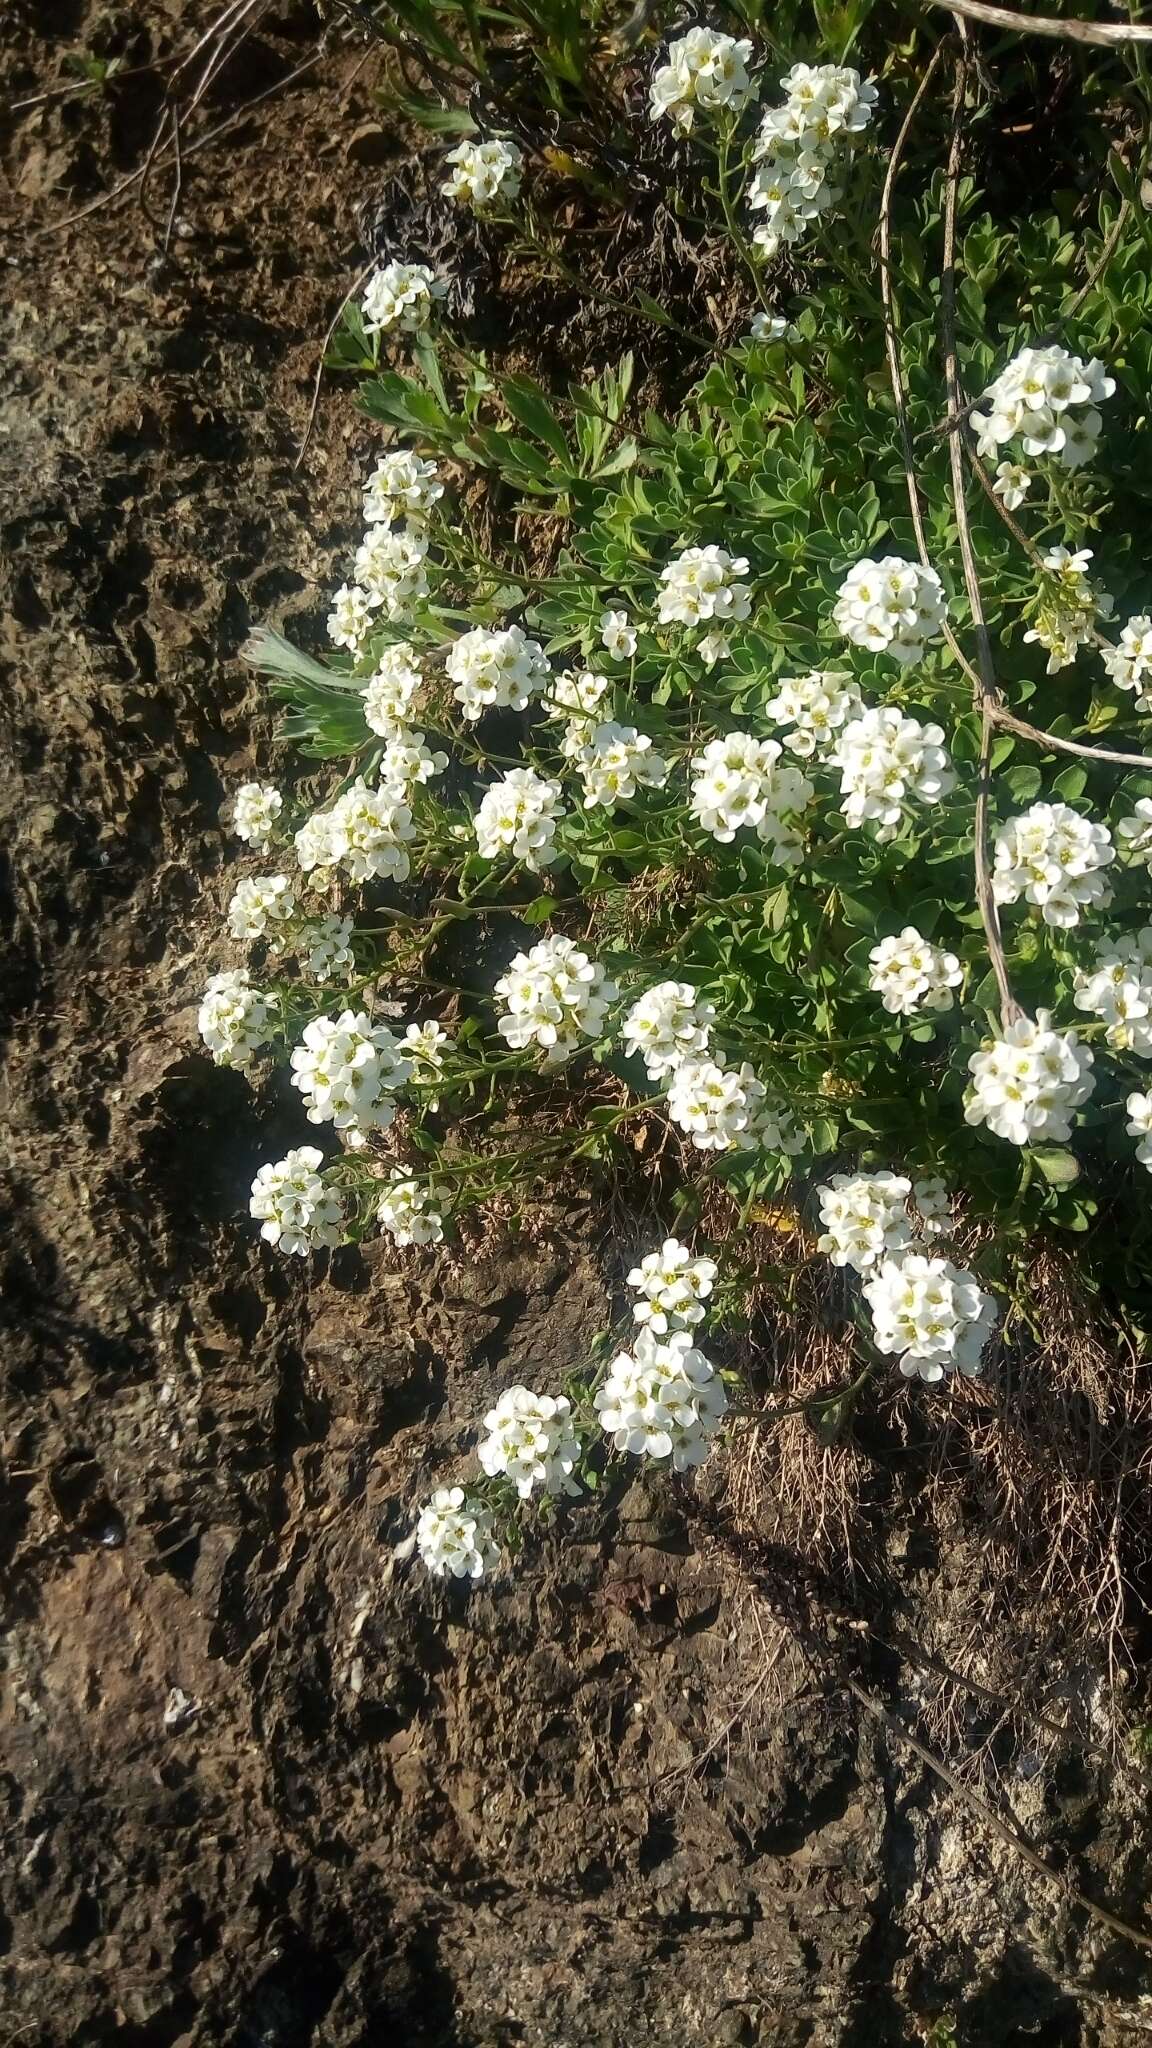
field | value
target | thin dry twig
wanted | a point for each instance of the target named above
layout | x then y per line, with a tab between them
333	324
987	691
1109	35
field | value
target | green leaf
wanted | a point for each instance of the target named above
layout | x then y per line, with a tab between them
1059	1166
528	404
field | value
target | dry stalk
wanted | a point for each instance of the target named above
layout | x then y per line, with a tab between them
1108	35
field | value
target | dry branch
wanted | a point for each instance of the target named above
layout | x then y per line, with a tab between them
1109	35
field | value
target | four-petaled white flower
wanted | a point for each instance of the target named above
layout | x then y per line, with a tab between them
531	1441
803	144
1026	1082
617	635
672	1287
814	707
408	1212
501	667
703	583
390	570
1067	606
667	1025
1139	1125
663	1399
402	486
296	1210
1129	663
350	620
616	761
725	1109
236	1020
909	973
1012	485
555	997
348	1069
1119	990
741	781
935	1318
391	691
1046	399
891	607
704	69
865	1217
259	905
1053	858
518	815
1135	834
484	174
256	807
887	760
403	296
454	1535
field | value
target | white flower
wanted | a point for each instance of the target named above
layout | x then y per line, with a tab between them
390	569
454	1535
618	635
663	1399
1012	484
1135	833
1025	1082
401	295
909	973
402	486
518	815
702	584
531	1441
1139	1125
1036	400
425	1046
1067	607
1119	990
672	1286
1052	857
802	145
615	762
553	996
499	667
297	1212
407	762
769	327
235	1020
726	1109
932	1207
936	1318
1129	663
885	760
408	1210
347	1069
255	809
865	1217
364	832
350	619
668	1024
740	781
391	692
573	695
484	174
265	901
704	69
712	648
325	947
814	706
891	607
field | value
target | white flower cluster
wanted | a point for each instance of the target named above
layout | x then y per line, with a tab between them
1054	859
389	569
255	809
496	667
1129	663
814	708
347	1070
454	1535
531	1441
662	1400
403	296
1068	607
259	905
425	1045
573	695
909	973
801	146
407	1209
364	832
725	1109
885	760
402	486
1026	1083
672	1287
704	69
1135	833
235	1020
741	781
1047	400
407	762
615	762
350	619
935	1318
519	815
390	692
1119	990
865	1217
1139	1125
891	607
702	583
669	1024
325	945
554	996
484	174
295	1209
617	635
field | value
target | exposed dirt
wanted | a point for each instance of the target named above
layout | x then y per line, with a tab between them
263	1786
